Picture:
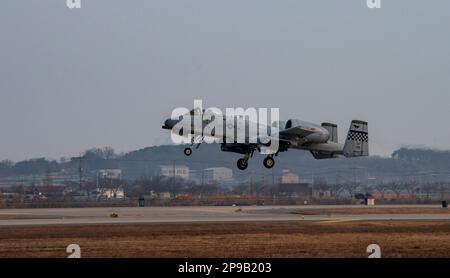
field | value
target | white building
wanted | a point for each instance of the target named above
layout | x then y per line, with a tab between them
289	178
218	174
109	173
181	171
110	193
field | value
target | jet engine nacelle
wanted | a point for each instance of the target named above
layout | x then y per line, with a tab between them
293	123
280	125
318	134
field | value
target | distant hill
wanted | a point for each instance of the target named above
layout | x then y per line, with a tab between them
405	163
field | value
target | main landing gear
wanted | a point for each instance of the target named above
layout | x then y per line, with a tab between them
242	163
268	162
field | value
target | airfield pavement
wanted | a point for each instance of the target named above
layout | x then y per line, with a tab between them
186	214
231	232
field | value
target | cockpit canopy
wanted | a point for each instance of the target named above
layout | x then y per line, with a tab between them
197	112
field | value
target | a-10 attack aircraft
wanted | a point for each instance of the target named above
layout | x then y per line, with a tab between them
320	140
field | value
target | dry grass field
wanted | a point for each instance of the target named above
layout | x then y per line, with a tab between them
373	210
232	240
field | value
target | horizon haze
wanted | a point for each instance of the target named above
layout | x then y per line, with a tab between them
109	73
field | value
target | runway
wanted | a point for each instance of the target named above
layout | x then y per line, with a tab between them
72	216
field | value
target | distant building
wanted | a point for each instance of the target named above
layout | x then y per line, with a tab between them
110	193
52	178
164	195
289	178
392	196
181	171
8	195
369	201
217	174
109	174
317	193
294	190
158	195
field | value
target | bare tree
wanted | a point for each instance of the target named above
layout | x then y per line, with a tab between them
350	188
442	189
396	187
104	153
335	189
108	153
321	186
411	188
381	188
428	188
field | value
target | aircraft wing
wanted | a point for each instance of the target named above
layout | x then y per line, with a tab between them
287	135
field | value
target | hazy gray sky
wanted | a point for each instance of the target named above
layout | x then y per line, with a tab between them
109	73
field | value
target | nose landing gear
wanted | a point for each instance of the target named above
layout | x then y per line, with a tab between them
188	150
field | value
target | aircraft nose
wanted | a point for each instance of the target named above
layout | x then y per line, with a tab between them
169	123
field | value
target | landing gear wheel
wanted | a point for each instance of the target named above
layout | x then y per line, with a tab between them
269	162
242	164
187	151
